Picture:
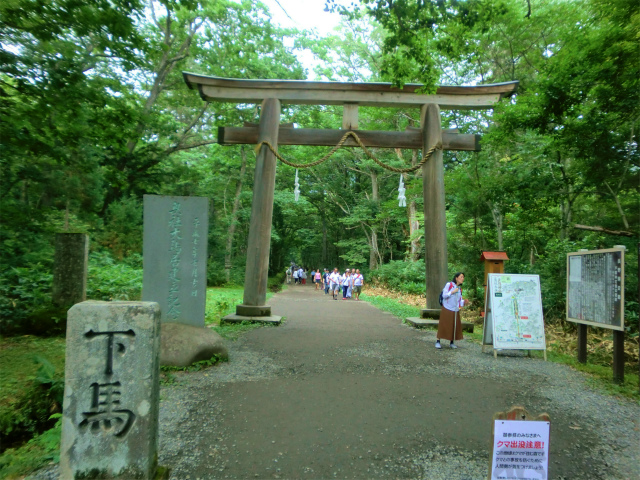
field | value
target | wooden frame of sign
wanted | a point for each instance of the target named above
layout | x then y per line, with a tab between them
525	331
514	413
595	291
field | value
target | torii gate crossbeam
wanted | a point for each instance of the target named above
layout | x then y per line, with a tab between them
271	93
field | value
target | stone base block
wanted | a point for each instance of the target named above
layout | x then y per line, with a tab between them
269	320
430	313
424	323
253	310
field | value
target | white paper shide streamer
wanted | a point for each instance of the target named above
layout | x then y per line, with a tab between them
296	190
402	199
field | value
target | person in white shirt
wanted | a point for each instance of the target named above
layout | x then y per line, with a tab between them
358	282
352	272
346	281
296	275
335	283
450	325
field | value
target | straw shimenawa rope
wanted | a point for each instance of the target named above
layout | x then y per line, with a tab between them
344	138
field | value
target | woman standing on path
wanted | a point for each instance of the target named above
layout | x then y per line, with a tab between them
450	325
318	279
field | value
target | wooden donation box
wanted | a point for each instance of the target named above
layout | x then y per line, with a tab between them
493	263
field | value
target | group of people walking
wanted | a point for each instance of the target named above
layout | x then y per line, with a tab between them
349	283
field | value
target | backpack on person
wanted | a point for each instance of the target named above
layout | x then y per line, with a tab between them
441	298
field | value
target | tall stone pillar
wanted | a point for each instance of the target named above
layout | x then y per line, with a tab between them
435	222
70	262
259	244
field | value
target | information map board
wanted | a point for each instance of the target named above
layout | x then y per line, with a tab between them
513	313
595	288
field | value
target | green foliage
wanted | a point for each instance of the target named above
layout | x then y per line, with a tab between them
36	453
390	305
275	283
31	399
401	276
24	291
123	227
221	302
110	280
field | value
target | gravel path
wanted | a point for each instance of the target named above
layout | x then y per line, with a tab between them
342	390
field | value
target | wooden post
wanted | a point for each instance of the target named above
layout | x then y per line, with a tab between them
350	116
435	227
618	356
582	343
257	269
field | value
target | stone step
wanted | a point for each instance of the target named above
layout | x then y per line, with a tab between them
425	323
233	318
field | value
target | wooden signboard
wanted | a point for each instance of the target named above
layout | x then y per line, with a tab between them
513	313
595	288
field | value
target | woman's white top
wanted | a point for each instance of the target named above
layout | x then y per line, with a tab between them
451	301
295	274
346	280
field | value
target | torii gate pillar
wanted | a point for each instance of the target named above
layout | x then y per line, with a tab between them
435	219
254	306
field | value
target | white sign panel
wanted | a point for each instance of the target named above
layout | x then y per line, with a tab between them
520	450
515	306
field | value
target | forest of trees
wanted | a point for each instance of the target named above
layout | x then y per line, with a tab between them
94	114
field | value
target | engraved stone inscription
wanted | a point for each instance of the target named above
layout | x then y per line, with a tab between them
175	256
111	395
105	414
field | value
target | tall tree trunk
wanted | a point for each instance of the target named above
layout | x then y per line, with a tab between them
625	222
324	238
412	213
497	220
414	225
374	253
234	216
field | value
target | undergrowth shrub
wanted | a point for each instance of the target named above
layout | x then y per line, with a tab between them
276	282
24	292
401	276
111	280
30	412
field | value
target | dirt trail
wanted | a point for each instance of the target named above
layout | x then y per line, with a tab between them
343	390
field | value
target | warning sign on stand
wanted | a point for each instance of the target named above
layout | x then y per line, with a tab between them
520	450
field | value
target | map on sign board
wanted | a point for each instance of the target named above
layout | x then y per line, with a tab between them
595	288
513	314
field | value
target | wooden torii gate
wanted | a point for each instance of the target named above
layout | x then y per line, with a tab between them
272	93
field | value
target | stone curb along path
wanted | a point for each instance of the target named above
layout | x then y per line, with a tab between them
343	390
